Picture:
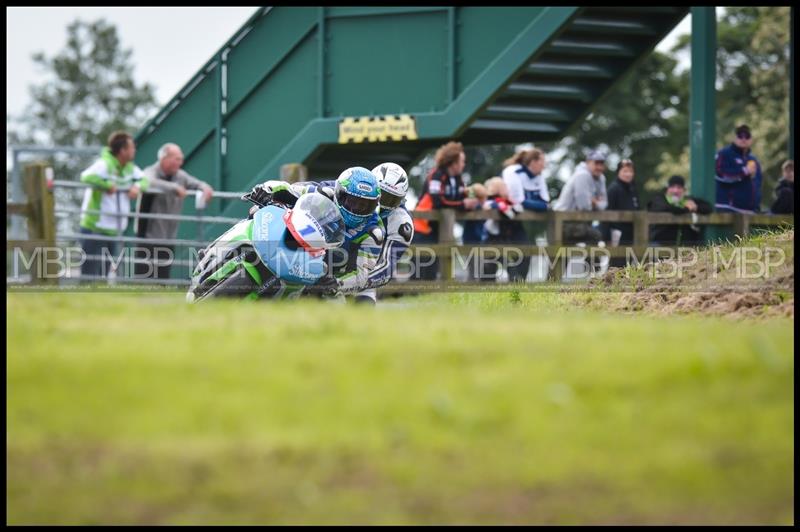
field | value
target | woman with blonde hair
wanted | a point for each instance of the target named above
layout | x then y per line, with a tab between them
527	189
523	176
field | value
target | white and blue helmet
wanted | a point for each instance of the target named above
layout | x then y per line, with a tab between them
357	195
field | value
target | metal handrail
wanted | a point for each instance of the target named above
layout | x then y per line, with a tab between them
178	217
134	239
151	260
155	190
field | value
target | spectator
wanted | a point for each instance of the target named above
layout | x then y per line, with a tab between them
473	229
738	175
167	175
114	169
527	187
623	196
504	231
784	192
522	174
675	200
585	191
443	188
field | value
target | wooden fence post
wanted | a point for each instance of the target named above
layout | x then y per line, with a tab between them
741	224
294	172
446	237
641	229
41	220
555	238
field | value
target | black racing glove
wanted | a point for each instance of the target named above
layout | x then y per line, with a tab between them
327	286
259	195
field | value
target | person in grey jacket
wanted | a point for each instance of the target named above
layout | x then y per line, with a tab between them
166	175
585	191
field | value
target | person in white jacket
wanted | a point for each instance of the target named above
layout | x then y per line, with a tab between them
104	209
522	174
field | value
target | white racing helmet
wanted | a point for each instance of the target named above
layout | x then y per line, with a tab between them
393	182
315	223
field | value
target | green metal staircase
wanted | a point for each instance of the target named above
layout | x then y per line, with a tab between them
557	89
278	90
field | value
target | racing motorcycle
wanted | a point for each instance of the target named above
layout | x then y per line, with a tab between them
277	253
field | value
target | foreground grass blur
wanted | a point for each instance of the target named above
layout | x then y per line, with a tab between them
459	408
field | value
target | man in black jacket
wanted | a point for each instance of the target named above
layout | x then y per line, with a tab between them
675	200
623	196
784	192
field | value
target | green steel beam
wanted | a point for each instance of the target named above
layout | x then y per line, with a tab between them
612	26
592	48
201	73
219	128
791	83
348	12
451	54
515	125
556	68
559	91
702	113
517	112
321	63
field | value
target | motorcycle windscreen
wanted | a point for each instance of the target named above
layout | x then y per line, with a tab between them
329	224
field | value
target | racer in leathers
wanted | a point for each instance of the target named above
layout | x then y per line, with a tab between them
356	193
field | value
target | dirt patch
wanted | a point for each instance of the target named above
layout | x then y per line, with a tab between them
721	282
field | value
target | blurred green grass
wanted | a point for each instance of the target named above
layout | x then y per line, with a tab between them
451	408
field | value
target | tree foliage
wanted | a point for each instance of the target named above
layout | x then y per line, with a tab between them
645	116
89	91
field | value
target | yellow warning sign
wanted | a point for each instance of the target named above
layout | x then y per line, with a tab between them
377	129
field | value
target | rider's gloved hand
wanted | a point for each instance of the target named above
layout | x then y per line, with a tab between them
327	286
261	194
326	191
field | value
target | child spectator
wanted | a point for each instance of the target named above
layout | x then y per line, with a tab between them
504	231
784	192
473	229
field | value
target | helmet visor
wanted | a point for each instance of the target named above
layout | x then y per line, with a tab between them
355	204
389	200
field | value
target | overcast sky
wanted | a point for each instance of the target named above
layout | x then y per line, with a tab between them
169	44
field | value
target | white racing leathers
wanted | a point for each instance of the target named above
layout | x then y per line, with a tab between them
363	243
399	233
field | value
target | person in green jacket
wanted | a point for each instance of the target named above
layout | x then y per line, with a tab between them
104	208
675	200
